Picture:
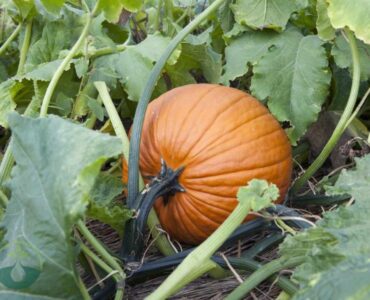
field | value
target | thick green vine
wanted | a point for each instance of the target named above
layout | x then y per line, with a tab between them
263	273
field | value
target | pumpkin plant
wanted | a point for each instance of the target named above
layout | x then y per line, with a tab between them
96	63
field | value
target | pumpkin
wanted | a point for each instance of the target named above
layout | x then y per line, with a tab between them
223	138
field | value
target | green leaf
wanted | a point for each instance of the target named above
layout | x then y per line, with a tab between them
337	250
43	71
98	35
294	77
260	14
259	193
244	50
53	6
324	28
102	206
50	187
3	72
306	15
113	8
96	108
63	104
55	37
81	66
132	5
7	103
104	69
343	57
26	8
133	70
195	57
105	189
153	47
344	13
355	182
132	66
225	16
350	279
114	215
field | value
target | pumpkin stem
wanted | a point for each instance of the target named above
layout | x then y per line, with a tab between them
165	184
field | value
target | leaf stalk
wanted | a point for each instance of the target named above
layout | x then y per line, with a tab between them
10	38
263	273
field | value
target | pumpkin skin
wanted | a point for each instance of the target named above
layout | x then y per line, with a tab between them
224	138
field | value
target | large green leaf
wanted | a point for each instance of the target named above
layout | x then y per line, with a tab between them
343	57
260	14
244	50
294	77
50	187
354	15
337	250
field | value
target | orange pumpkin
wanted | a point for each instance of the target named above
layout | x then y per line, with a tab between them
224	138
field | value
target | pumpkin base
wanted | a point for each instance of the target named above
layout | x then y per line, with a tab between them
165	184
